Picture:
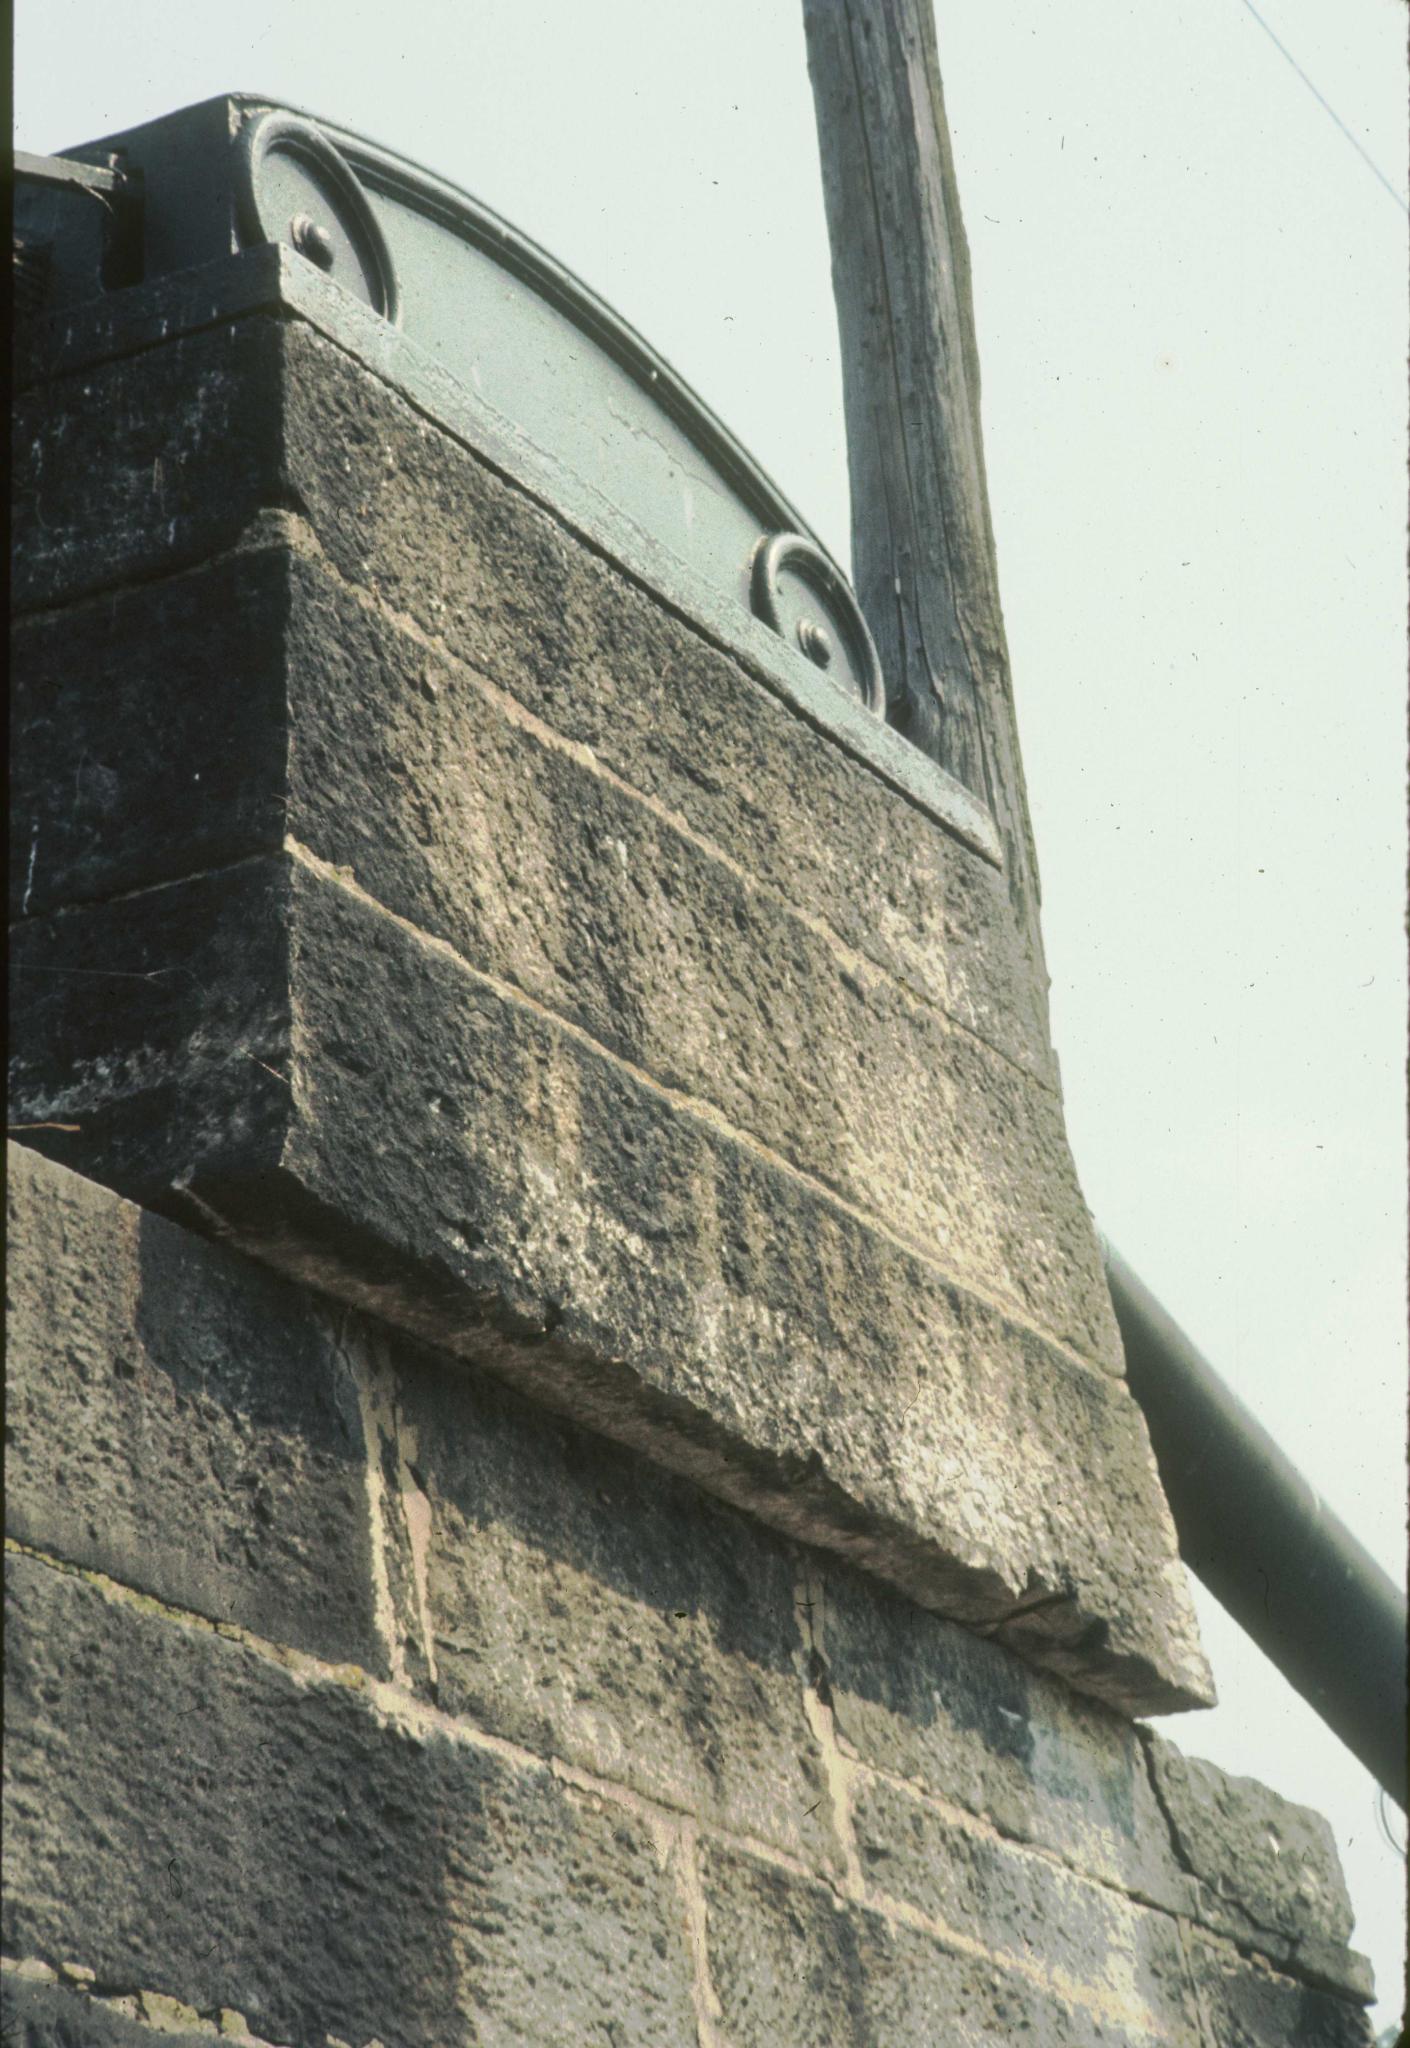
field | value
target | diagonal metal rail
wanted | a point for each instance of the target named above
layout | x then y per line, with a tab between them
1264	1541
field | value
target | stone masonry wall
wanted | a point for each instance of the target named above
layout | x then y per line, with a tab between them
577	1269
405	889
353	1699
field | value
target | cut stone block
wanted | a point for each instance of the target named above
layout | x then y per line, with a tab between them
287	1851
182	1420
281	1055
685	1064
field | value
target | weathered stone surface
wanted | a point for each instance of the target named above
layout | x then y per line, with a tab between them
591	1607
971	1725
159	1000
583	1604
1267	1871
408	514
1244	2004
145	464
39	2014
542	732
791	1963
483	830
457	1159
742	1067
182	1420
964	1719
287	1852
148	732
1124	1960
40	2010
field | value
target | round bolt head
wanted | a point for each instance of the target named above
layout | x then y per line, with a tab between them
312	239
815	642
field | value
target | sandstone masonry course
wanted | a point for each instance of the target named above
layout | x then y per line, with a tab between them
557	1708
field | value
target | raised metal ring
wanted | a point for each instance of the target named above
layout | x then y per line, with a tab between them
779	551
292	136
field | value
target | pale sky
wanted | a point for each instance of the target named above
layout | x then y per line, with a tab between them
1190	298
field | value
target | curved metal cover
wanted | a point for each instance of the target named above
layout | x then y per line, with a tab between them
530	339
530	348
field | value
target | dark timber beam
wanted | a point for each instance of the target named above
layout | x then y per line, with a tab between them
922	545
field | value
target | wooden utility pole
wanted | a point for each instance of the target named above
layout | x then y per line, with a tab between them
922	543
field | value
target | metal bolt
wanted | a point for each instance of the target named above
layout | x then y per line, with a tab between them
312	239
814	642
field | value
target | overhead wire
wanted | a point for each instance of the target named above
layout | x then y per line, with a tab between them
1328	108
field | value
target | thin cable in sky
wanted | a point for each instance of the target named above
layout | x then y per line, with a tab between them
1369	161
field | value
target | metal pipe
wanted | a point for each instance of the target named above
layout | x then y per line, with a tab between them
1264	1542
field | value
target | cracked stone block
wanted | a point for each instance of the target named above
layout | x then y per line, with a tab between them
1267	1870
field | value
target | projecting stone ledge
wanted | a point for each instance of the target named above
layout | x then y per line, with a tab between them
283	1060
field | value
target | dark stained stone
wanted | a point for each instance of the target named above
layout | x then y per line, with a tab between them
182	1420
289	1852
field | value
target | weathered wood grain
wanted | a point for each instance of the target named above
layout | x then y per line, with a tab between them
923	548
